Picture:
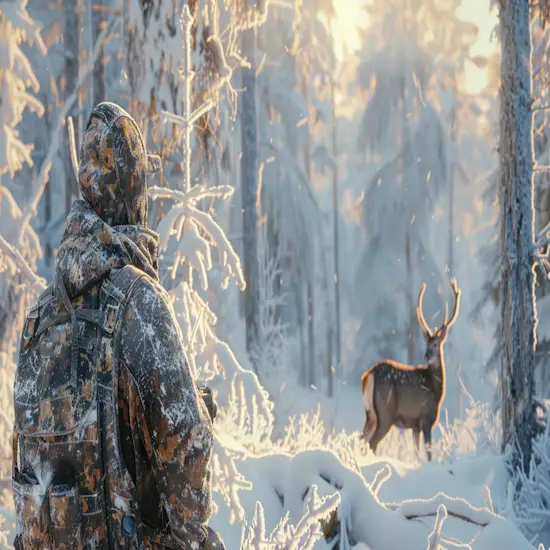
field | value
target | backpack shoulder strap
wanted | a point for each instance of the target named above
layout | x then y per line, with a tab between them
115	292
120	493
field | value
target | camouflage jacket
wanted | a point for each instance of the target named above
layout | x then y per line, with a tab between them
164	429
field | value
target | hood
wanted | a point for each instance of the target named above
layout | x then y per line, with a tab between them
90	248
113	166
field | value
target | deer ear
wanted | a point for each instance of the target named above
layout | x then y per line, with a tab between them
442	333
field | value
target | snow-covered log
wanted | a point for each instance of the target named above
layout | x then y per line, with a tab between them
368	520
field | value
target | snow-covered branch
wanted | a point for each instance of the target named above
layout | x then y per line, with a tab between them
11	259
248	406
227	480
456	507
367	520
285	536
16	26
189	226
435	535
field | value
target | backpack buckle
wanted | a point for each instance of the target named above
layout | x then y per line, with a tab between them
110	317
31	324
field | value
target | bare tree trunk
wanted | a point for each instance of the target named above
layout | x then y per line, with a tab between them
311	270
310	333
298	298
452	191
518	307
338	340
330	367
329	326
411	332
99	22
70	41
274	254
249	172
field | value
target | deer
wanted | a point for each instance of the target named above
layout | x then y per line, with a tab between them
405	396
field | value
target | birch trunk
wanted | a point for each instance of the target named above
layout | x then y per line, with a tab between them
249	136
518	306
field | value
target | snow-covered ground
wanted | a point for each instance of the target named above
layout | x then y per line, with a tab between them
377	494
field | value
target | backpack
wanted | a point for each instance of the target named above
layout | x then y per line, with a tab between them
71	487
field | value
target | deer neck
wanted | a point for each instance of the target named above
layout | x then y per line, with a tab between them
437	369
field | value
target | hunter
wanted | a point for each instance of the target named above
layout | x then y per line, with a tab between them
112	438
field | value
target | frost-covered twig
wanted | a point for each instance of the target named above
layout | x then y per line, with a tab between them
227	480
19	262
382	475
285	536
195	194
435	535
249	408
72	146
188	118
362	513
188	225
456	507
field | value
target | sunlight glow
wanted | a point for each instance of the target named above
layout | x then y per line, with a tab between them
350	17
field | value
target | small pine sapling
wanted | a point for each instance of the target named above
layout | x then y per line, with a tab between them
190	235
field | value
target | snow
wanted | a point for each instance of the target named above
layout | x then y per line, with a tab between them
374	495
414	489
288	461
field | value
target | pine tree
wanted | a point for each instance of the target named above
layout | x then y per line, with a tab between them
519	250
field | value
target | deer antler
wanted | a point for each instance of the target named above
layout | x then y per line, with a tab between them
419	312
456	292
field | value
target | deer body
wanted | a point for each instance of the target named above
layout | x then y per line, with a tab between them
395	394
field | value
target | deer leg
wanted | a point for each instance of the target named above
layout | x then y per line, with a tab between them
416	439
382	429
427	431
370	426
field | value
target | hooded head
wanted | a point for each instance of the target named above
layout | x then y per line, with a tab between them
113	165
108	229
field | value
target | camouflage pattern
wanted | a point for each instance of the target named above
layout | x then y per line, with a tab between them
113	164
112	440
33	515
65	514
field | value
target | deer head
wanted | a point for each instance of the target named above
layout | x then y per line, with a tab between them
435	340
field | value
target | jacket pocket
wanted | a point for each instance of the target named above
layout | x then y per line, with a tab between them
93	520
65	517
33	516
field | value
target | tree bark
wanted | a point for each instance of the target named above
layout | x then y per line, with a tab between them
249	181
518	305
70	41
